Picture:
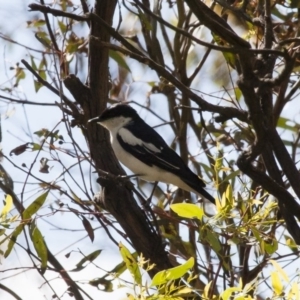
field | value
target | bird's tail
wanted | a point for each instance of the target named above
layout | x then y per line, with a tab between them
197	185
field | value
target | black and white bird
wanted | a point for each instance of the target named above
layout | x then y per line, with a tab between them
141	149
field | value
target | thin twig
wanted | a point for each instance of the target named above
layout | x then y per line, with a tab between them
28	102
52	89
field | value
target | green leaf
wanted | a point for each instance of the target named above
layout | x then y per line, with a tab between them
37	85
43	38
173	273
120	268
105	285
91	257
256	234
39	245
13	239
270	246
232	175
119	59
230	58
33	65
287	124
34	206
62	26
144	19
131	263
7	207
20	74
211	237
42	132
76	198
43	63
188	210
38	23
88	228
42	73
36	147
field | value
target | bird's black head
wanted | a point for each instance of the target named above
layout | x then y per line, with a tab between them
118	110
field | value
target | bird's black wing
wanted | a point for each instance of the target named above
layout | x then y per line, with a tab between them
143	142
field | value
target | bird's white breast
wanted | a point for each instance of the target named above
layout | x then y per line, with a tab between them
148	173
132	163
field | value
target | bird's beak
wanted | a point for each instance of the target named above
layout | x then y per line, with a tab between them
94	120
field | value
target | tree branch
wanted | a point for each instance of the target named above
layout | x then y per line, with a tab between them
225	112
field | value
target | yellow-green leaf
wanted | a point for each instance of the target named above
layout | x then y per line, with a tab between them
187	210
7	207
279	270
131	263
276	283
226	295
294	292
185	290
238	93
229	196
35	206
173	273
291	244
218	164
206	290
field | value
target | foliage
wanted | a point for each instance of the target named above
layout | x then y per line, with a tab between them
217	79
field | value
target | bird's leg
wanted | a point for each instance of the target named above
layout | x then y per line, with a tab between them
127	177
121	179
152	193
